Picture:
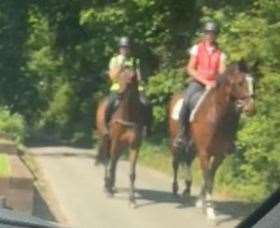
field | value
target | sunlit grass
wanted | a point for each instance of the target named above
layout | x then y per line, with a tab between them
5	168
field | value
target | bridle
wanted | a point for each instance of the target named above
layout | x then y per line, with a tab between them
241	101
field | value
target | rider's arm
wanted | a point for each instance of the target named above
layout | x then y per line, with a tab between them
114	69
222	66
114	73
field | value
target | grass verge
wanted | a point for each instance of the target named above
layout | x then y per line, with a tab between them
5	168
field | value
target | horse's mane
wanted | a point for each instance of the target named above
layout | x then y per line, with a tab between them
231	69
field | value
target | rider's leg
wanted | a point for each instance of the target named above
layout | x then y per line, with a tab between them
111	105
182	136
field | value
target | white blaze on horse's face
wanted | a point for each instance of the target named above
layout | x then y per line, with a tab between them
248	104
250	83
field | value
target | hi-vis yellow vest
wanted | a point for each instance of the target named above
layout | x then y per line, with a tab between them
117	61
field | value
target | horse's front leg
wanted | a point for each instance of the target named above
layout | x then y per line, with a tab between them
110	172
205	198
215	163
209	167
133	155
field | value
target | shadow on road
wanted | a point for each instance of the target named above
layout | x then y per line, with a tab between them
40	207
156	197
230	210
234	210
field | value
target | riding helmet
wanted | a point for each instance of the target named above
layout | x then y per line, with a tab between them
211	27
124	42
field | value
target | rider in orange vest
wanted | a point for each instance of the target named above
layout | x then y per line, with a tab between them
206	62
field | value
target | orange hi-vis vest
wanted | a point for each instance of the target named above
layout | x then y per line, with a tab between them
207	63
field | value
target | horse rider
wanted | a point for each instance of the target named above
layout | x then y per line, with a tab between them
123	60
206	62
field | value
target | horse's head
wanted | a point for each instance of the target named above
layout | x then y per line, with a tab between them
128	80
240	87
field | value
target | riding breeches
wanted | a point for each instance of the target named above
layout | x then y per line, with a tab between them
191	96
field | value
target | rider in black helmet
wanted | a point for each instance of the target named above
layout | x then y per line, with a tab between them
124	59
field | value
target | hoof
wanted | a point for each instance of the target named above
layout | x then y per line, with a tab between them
97	162
109	192
132	202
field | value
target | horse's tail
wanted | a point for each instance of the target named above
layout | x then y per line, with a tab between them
103	152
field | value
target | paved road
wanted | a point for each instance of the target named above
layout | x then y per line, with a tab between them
78	187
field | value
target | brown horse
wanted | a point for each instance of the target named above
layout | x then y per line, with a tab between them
123	131
212	129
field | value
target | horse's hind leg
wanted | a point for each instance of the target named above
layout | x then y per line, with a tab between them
175	166
190	155
133	155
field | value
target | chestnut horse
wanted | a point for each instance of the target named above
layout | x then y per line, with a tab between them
123	131
212	129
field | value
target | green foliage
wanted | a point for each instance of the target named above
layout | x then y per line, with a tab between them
58	116
12	125
155	154
160	87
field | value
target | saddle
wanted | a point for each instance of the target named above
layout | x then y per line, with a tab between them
194	104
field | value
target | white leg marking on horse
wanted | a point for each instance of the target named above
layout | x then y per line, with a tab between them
211	213
208	197
199	203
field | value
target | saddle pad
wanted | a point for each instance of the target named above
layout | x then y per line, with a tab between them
176	109
178	106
